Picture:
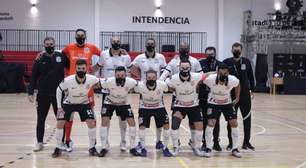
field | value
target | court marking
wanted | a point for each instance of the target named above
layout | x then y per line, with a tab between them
301	165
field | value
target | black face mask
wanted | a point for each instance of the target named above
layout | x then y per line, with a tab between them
236	53
184	73
223	78
80	40
81	74
184	52
211	58
151	82
150	48
116	46
120	81
49	49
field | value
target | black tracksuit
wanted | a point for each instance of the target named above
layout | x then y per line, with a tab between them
242	69
208	66
47	73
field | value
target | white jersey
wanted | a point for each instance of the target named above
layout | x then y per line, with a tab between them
110	62
157	63
185	91
76	92
151	99
117	94
174	65
220	94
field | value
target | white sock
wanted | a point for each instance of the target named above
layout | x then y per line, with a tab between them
92	137
175	137
158	134
208	137
132	133
122	126
198	136
104	136
235	137
192	135
58	136
166	135
142	137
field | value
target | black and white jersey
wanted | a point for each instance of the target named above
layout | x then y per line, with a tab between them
117	95
151	99
174	65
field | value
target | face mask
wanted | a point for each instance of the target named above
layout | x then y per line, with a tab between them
236	54
223	78
184	52
81	74
80	40
211	58
150	48
115	46
49	50
184	73
120	81
151	82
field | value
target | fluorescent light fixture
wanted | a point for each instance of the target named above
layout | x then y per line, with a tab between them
33	2
158	3
34	11
277	5
158	13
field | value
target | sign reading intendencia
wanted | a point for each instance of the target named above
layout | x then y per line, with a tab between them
160	20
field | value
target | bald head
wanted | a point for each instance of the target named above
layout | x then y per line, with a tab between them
184	50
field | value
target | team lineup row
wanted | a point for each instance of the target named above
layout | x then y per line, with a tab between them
199	96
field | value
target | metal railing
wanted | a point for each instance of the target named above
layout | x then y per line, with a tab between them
137	39
32	40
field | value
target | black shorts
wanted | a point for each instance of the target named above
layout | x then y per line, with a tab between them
160	116
123	111
214	111
85	111
194	113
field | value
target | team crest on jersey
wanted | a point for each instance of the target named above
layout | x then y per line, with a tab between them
58	59
158	92
86	50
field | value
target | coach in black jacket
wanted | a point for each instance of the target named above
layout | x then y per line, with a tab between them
47	73
242	69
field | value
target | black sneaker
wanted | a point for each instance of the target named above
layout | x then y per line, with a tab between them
57	152
93	152
236	153
229	147
102	152
207	153
134	152
248	145
217	147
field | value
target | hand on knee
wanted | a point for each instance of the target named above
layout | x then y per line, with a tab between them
131	122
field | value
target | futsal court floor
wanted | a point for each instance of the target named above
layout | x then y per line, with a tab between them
278	133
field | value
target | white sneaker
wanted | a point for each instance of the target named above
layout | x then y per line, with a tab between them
38	147
198	152
236	153
123	147
175	151
69	146
207	153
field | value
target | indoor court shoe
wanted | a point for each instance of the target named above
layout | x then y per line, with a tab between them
191	144
38	147
167	153
207	153
143	152
57	152
123	147
134	152
198	152
93	152
159	145
102	153
236	153
203	146
248	145
175	151
229	147
217	147
69	145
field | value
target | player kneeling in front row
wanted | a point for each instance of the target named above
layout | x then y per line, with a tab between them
151	104
219	100
76	89
118	89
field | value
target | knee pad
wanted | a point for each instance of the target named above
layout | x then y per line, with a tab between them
176	122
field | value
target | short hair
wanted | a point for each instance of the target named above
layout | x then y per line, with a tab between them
222	66
211	48
152	39
151	71
81	62
49	38
82	30
237	45
120	68
185	61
